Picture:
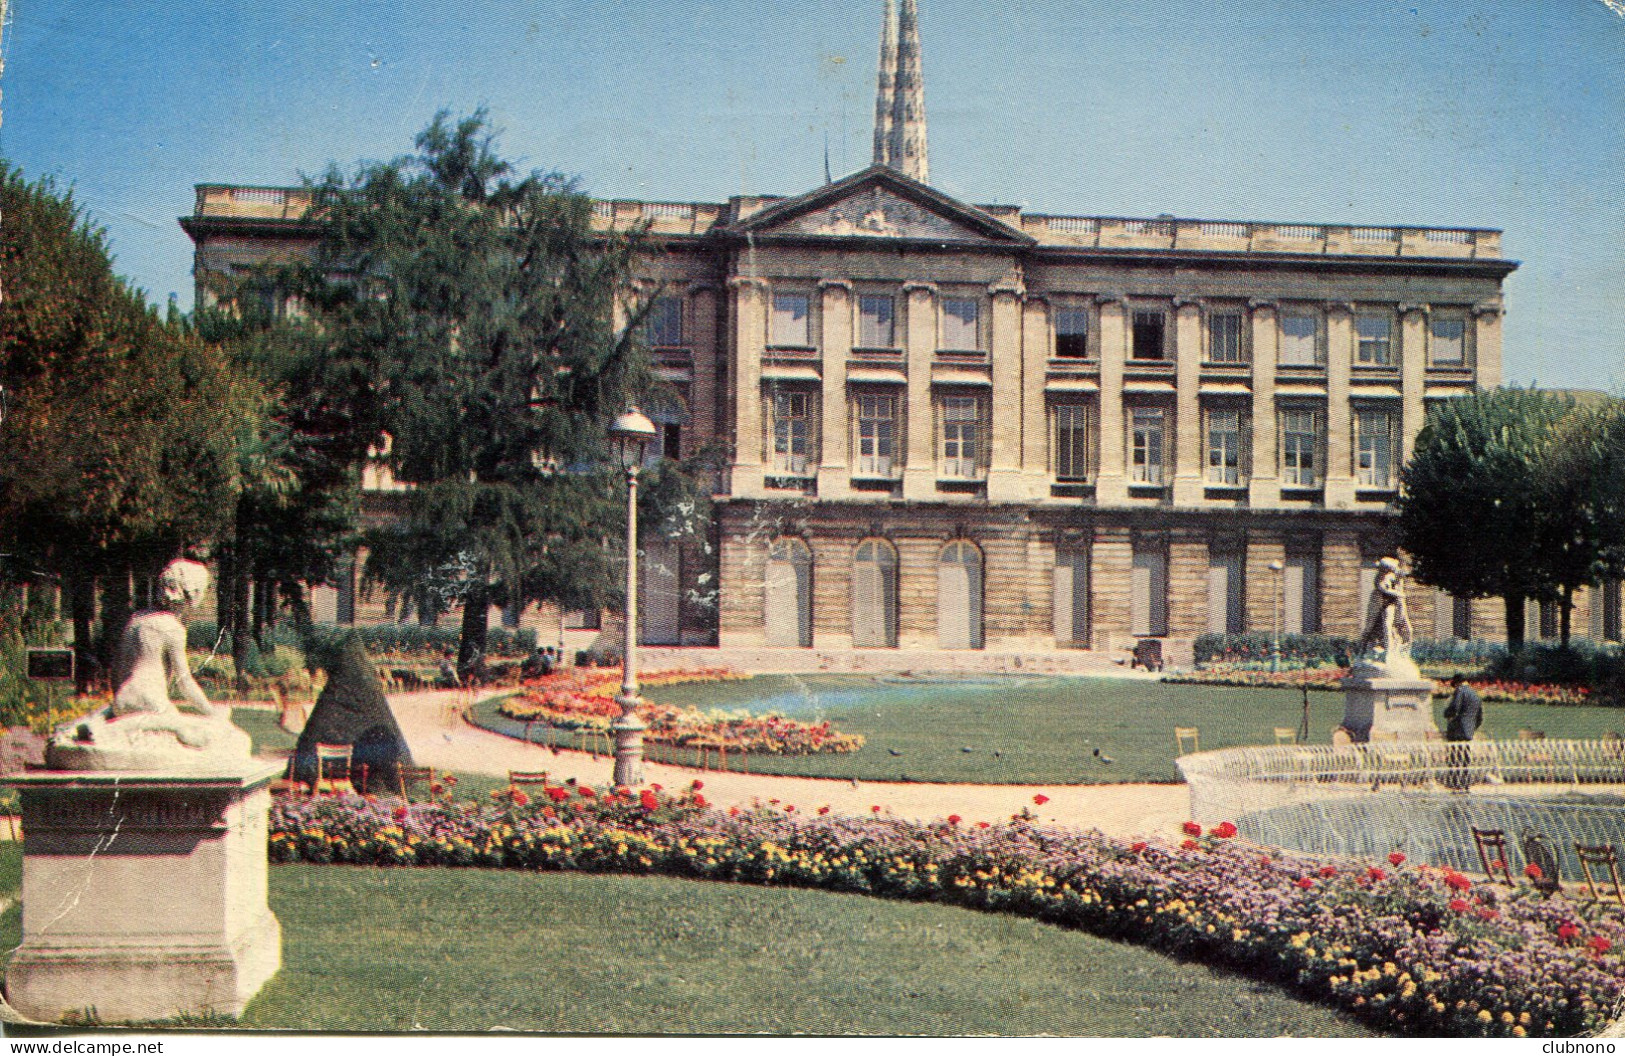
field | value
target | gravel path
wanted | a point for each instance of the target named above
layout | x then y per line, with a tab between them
440	738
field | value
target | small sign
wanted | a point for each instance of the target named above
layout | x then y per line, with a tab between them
50	665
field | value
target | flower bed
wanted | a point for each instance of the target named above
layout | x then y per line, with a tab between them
1410	949
575	700
1328	678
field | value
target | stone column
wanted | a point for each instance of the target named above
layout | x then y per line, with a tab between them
1187	582
1004	482
1486	346
1111	563
1339	423
1035	345
1413	354
1188	455
1264	488
834	470
1111	480
750	346
920	466
1263	586
1342	610
707	358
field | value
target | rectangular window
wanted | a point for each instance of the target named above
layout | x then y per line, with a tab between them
877	435
1374	449
1300	448
1224	338
793	433
1224	447
665	323
1300	344
1147	431
877	321
792	320
962	437
1072	441
1374	335
1072	333
1150	334
961	331
1447	346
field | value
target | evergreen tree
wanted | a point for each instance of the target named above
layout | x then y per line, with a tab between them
468	316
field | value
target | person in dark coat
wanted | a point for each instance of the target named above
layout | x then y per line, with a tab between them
1462	716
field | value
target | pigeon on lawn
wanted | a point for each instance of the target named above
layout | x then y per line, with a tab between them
1108	760
967	749
894	751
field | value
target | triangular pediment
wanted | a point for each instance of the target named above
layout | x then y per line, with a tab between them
880	203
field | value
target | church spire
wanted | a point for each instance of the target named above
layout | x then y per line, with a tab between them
900	104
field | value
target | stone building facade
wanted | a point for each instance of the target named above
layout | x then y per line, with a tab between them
957	426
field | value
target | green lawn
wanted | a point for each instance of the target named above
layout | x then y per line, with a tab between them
1046	729
439	949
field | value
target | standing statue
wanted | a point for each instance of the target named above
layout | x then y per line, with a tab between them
144	729
1388	628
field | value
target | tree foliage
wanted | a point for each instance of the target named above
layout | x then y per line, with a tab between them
469	321
120	445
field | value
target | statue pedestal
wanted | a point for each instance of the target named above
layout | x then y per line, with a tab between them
144	894
1388	705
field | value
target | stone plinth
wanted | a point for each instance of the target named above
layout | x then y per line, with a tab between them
144	894
1384	706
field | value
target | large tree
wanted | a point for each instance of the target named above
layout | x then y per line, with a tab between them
121	443
1471	511
469	318
1580	520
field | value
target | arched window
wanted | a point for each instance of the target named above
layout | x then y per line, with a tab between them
959	596
787	601
874	595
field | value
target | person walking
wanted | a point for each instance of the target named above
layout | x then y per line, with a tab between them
1462	715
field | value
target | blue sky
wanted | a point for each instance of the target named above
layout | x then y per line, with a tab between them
1493	113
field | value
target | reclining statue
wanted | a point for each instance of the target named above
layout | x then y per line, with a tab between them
144	729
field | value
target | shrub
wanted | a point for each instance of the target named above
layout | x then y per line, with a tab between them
1297	650
1471	656
1583	663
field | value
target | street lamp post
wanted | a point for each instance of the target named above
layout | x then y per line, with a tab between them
629	435
1280	600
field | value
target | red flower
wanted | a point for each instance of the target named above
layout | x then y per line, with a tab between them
519	798
401	813
1375	875
1223	830
437	788
1488	914
1533	871
1328	871
984	824
1567	931
451	779
1189	845
697	785
558	795
1458	905
1497	864
1192	829
649	800
954	819
1600	945
773	802
699	801
1137	847
733	812
823	810
1306	882
790	808
657	788
586	792
1457	882
875	809
1040	799
1396	859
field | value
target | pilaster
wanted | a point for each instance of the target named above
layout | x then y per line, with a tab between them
1263	584
1339	427
1187	582
1004	482
1035	345
1342	610
1188	459
1263	489
834	470
920	466
1486	349
1111	479
707	356
750	346
1413	354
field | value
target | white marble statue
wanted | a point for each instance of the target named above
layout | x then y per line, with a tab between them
144	729
1387	639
